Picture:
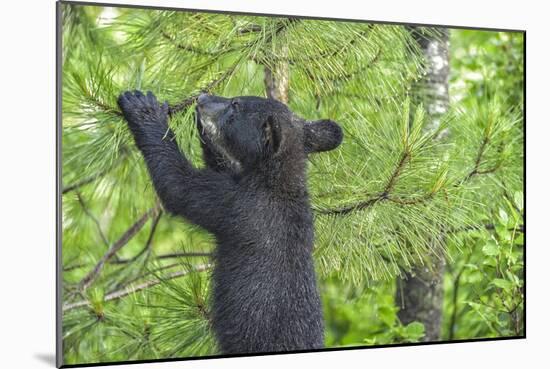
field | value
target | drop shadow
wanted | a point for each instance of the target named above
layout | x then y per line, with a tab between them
46	358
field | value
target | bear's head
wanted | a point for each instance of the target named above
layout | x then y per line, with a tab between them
252	131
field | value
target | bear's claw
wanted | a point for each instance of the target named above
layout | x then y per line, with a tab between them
139	108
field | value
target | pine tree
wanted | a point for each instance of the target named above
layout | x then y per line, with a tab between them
136	281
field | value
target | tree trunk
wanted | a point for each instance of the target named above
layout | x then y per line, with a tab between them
420	297
420	293
277	78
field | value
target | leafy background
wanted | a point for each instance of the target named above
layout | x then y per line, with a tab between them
136	281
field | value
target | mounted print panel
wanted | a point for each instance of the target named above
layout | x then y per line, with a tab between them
237	184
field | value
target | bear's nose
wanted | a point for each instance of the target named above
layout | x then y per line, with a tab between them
211	105
203	98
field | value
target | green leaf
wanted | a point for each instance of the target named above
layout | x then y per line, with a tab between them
518	199
490	249
503	216
502	283
514	278
519	240
387	315
415	330
370	341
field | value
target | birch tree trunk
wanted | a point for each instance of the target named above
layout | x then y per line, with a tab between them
419	294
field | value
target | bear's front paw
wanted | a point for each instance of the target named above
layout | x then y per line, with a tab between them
138	108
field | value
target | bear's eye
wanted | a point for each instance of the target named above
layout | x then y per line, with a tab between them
234	104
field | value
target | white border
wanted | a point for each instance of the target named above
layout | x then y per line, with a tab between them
27	144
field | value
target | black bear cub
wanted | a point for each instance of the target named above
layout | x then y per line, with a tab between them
252	196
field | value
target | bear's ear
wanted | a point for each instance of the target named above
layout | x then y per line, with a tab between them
272	134
322	135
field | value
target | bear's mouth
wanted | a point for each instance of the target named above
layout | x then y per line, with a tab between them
211	132
208	127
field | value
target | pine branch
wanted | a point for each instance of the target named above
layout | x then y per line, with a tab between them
73	267
346	77
85	181
148	273
408	81
339	80
170	255
133	289
416	201
196	50
93	218
184	254
188	101
148	243
252	28
339	49
94	177
348	209
384	195
106	108
405	157
282	26
479	156
210	86
173	109
121	242
98	103
213	84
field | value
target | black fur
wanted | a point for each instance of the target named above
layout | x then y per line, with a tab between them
253	197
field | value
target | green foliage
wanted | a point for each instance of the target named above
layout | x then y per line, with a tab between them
364	316
170	320
485	62
381	200
484	283
485	286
